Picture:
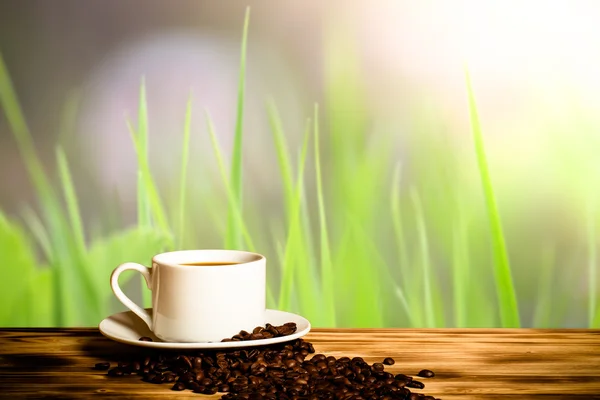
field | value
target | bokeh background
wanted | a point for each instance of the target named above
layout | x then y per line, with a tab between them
359	177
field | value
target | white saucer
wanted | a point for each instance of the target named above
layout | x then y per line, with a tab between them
126	327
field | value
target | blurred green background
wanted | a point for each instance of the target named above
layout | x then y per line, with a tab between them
346	145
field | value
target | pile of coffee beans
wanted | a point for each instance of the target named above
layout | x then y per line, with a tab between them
267	332
281	371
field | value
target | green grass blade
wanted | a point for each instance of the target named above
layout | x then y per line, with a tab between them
46	194
233	230
404	303
507	299
71	199
283	158
341	253
40	233
294	248
237	214
383	277
328	283
68	119
543	311
271	302
280	252
460	272
143	206
408	291
183	176
143	119
301	239
431	314
364	272
150	193
307	275
20	130
77	255
596	322
592	262
236	209
17	258
40	295
150	208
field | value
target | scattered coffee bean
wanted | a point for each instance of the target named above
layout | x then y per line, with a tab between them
425	373
283	371
389	361
145	339
103	366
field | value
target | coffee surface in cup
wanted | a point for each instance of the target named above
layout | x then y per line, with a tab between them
209	263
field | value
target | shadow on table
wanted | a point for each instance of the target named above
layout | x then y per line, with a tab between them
109	350
32	362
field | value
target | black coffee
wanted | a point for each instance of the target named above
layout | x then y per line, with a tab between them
209	263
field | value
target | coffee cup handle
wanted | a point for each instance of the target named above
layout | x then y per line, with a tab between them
114	284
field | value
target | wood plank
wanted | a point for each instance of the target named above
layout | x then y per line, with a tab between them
494	364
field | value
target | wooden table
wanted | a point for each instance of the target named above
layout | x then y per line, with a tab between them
473	364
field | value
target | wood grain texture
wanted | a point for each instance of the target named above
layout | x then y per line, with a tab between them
491	364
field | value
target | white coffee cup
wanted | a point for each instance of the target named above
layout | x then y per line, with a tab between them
204	303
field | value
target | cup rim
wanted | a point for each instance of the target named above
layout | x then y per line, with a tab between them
157	259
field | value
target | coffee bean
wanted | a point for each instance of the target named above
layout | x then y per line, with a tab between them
284	331
145	339
160	368
185	360
378	367
244	335
425	373
206	382
318	357
210	390
224	388
179	386
267	334
136	366
115	372
389	361
103	366
416	384
196	388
